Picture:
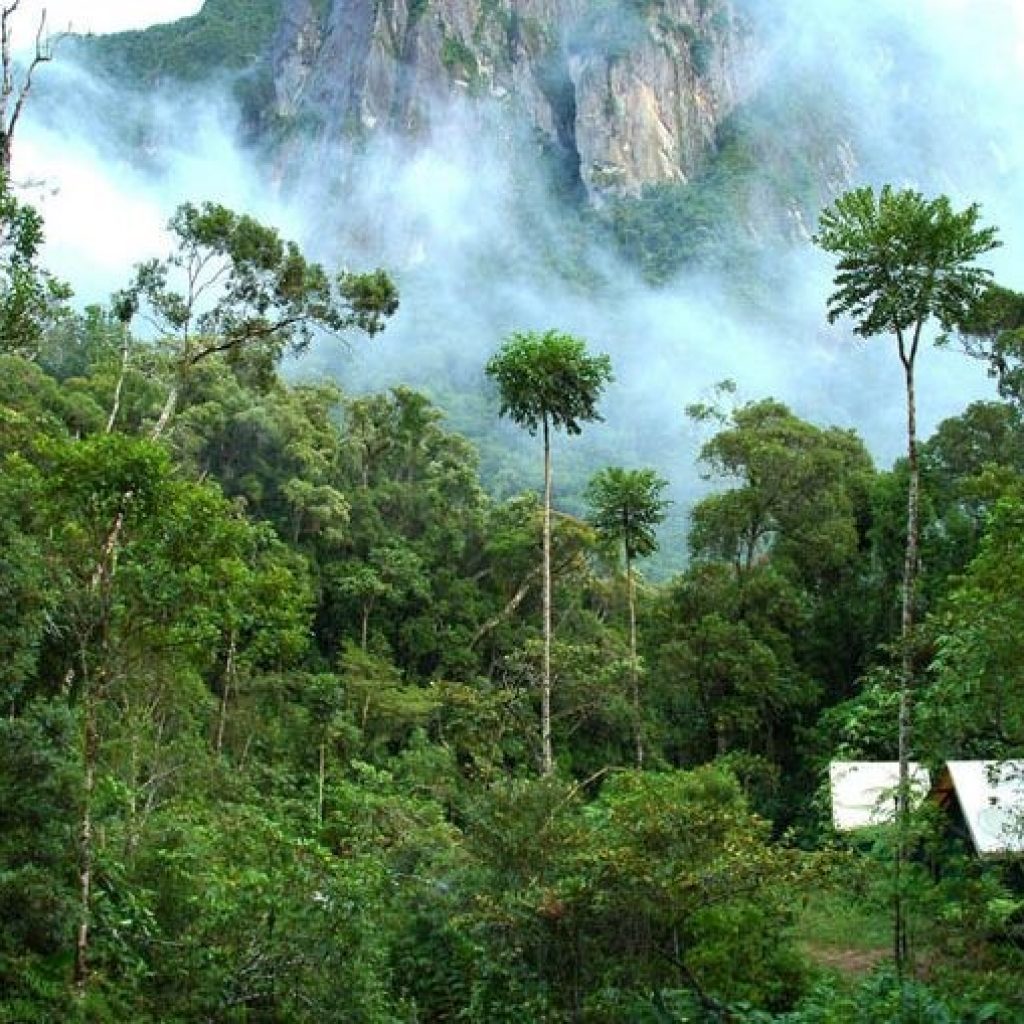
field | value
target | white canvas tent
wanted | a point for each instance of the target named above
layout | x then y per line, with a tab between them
991	798
864	792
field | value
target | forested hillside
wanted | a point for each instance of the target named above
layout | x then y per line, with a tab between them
271	738
313	710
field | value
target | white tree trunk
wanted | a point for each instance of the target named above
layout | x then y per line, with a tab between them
547	758
901	937
634	668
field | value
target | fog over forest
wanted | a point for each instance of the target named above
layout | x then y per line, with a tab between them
929	90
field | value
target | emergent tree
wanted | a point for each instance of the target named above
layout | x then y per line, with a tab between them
626	509
903	261
548	381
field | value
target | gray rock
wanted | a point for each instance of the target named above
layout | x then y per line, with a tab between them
624	92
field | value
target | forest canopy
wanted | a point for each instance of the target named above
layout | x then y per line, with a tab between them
312	710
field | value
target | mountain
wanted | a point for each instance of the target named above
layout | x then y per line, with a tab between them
624	93
643	174
655	113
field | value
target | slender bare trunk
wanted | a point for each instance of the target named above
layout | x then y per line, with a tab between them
547	759
115	407
10	112
321	779
132	840
110	545
225	696
511	605
165	413
634	668
91	690
901	938
85	857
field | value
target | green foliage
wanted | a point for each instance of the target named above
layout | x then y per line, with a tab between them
233	286
223	35
610	28
668	227
651	890
417	8
271	679
675	865
31	299
798	493
766	169
37	791
996	310
903	259
798	502
972	706
724	662
548	378
993	329
627	507
459	59
883	999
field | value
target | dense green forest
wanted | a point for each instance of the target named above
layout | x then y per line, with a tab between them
309	713
271	738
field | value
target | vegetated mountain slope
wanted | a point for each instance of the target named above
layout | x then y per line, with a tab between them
624	93
225	35
710	117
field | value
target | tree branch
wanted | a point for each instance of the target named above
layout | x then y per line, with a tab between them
44	52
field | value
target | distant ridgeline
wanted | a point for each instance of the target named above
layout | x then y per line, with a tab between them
641	114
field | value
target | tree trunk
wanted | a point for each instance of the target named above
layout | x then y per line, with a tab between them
10	113
547	759
89	744
364	626
110	545
321	779
511	605
225	696
165	413
634	673
93	689
910	563
115	407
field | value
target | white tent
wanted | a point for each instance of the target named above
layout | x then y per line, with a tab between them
991	797
864	792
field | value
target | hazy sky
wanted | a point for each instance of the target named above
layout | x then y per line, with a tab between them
104	15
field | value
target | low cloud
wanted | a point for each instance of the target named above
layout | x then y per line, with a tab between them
930	90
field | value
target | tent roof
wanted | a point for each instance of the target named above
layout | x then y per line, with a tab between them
991	796
864	792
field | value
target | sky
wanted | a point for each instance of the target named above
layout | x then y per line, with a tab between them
101	16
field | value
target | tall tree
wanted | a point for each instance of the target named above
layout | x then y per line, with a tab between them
903	261
626	509
32	300
796	498
548	381
234	286
994	331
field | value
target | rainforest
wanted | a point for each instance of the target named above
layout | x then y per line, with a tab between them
471	473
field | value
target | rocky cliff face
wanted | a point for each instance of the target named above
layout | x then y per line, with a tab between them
624	92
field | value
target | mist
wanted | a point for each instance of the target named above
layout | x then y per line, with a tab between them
930	90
